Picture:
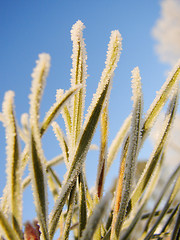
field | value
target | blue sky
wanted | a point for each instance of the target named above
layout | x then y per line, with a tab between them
28	28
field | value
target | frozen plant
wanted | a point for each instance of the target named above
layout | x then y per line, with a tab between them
119	213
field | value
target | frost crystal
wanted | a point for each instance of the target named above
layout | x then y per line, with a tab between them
14	171
79	57
113	54
1	117
59	135
78	76
59	94
24	119
36	152
39	76
10	126
136	83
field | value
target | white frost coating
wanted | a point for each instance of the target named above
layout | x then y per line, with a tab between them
25	123
113	54
96	216
59	135
7	109
24	132
1	117
94	147
24	119
10	125
175	73
79	55
10	133
136	84
39	76
59	94
78	76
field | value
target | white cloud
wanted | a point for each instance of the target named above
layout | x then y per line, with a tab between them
172	159
167	32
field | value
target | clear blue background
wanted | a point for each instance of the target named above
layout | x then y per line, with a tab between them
28	28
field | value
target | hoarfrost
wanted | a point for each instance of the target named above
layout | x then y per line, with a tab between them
59	135
113	54
136	83
39	75
13	189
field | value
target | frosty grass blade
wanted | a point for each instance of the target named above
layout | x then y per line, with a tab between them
150	166
166	187
7	229
103	152
167	204
14	170
95	218
62	142
161	98
79	158
54	110
78	76
37	159
134	142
